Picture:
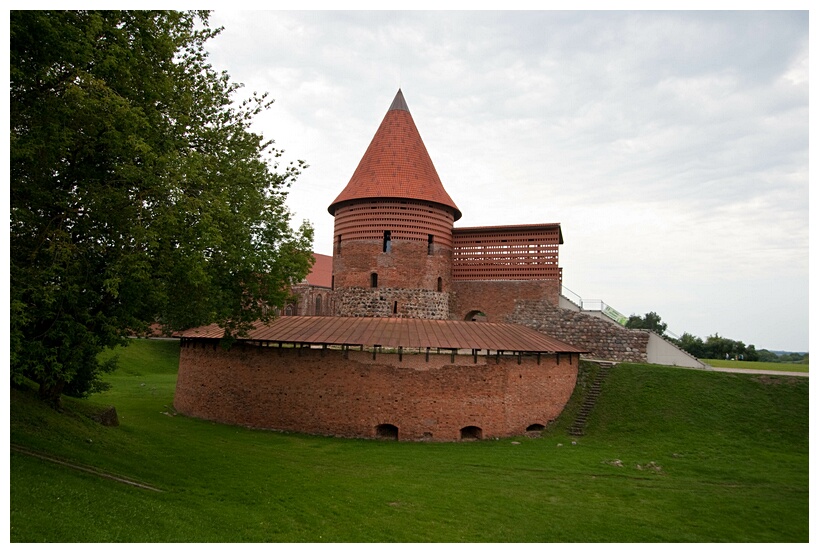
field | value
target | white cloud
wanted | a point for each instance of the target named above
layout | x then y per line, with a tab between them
672	146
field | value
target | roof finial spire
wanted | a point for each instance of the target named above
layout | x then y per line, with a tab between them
399	102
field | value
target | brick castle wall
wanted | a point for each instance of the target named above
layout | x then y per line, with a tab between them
497	298
307	391
312	300
603	339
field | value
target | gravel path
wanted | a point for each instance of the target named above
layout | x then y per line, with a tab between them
756	371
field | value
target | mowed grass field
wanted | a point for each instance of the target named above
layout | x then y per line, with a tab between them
759	365
669	455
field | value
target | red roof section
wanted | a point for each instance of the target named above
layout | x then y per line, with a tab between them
397	332
396	165
321	273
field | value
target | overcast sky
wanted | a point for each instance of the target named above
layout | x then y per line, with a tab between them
672	147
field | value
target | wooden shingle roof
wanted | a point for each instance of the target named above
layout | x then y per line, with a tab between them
397	332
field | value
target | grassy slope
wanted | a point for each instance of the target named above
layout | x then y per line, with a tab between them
759	365
670	455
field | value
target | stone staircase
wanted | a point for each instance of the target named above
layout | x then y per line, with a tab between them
579	425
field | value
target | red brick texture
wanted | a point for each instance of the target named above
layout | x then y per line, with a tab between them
407	265
317	392
497	298
411	279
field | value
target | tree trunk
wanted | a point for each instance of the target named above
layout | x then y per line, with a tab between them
52	393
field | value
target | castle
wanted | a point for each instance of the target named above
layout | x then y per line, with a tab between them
414	328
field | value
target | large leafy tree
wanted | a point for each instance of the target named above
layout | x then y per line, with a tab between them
138	191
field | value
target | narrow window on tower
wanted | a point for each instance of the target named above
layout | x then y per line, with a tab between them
387	241
374	280
338	245
430	240
394	307
440	284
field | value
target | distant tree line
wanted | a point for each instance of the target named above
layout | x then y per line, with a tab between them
713	347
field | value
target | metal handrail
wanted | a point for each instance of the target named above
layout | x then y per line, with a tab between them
589	305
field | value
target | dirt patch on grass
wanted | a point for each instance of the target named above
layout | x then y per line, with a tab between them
772	380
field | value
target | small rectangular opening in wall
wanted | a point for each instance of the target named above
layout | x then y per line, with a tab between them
394	307
430	242
387	246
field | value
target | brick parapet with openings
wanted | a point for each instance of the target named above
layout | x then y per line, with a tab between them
322	392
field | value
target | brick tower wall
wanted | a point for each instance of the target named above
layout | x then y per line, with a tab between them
407	274
317	392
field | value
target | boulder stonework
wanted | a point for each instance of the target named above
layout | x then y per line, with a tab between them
391	302
602	339
322	392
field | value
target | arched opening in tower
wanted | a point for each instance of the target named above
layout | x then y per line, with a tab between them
475	316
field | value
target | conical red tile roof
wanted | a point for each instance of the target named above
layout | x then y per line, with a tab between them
396	165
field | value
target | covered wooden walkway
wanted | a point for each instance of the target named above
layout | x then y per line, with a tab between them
395	333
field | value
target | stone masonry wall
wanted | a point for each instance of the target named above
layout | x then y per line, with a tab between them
604	340
322	392
391	302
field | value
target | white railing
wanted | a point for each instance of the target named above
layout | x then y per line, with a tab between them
604	308
595	305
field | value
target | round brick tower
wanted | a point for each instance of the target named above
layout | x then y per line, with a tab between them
392	253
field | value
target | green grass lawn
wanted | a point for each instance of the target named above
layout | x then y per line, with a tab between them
669	455
758	365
